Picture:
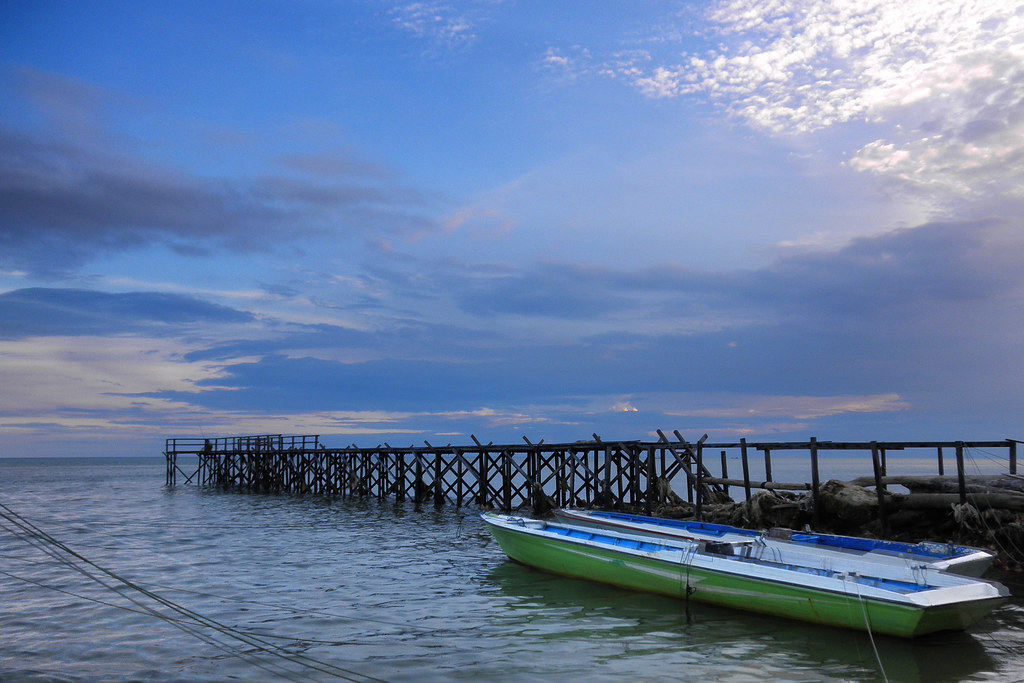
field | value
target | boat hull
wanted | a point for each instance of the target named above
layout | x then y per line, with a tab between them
687	582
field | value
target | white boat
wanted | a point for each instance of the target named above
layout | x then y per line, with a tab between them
832	548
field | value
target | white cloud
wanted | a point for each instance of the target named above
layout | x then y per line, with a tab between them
87	388
791	407
97	373
947	75
566	65
808	65
435	21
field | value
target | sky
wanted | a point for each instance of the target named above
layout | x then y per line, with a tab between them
394	222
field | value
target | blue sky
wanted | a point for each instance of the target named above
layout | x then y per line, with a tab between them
386	221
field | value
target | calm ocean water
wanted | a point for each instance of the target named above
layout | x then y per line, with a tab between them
307	588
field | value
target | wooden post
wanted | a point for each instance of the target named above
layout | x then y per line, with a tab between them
531	476
570	460
506	473
607	472
746	471
648	499
1012	445
814	481
561	481
699	486
621	475
768	464
418	488
459	473
663	458
438	481
485	483
879	487
725	473
382	476
632	476
960	478
939	456
172	462
403	476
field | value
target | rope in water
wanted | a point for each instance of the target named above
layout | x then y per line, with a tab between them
871	636
188	620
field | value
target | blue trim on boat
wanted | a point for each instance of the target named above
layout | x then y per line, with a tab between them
704	527
933	550
584	534
630	543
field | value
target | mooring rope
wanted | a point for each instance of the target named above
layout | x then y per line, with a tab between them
188	626
362	618
182	625
687	559
192	622
867	625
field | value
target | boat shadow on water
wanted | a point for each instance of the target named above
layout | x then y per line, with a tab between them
550	607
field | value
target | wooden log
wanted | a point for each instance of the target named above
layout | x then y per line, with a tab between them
990	483
768	485
982	501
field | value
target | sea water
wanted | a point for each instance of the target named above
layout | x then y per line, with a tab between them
106	574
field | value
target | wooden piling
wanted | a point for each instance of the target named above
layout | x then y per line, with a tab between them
960	475
628	474
725	473
815	483
651	486
876	466
746	472
699	476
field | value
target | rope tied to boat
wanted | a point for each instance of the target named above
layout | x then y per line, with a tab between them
688	590
867	624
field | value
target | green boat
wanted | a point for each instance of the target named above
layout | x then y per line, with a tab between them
730	574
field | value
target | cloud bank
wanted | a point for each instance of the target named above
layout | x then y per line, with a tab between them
949	74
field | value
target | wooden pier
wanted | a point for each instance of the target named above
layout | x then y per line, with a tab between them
640	475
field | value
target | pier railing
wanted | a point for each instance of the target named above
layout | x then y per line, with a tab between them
638	474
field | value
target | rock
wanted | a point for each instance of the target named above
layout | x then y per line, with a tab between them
847	506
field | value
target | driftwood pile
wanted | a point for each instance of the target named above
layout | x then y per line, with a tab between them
931	510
